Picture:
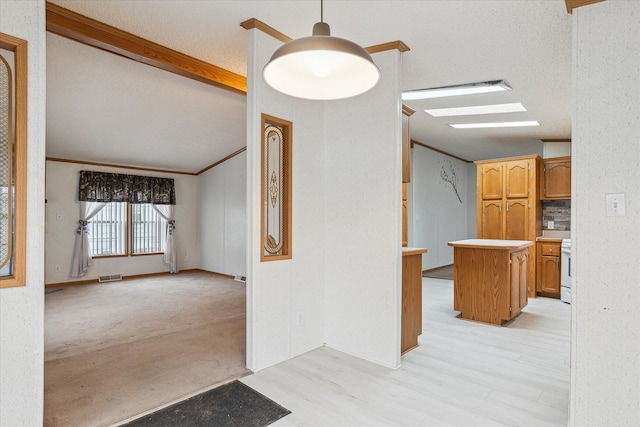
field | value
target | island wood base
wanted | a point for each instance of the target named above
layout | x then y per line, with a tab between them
490	279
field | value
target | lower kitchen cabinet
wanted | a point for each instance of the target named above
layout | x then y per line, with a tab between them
548	271
411	298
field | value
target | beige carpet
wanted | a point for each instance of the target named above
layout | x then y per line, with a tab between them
114	350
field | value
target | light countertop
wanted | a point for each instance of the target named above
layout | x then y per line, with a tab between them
413	251
548	239
491	244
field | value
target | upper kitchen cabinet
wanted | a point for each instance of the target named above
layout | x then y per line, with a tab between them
555	179
508	204
406	144
492	181
517	179
405	215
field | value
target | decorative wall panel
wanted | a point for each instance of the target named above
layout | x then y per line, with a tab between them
6	163
276	188
13	146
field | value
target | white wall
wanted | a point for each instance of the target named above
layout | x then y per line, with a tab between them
62	199
277	291
363	224
438	215
222	220
22	308
605	342
346	199
555	149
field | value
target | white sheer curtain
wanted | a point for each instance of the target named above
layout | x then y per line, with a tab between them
82	255
170	255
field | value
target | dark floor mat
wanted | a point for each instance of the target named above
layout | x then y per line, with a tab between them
230	405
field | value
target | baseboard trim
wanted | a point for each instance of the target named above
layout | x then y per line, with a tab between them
129	277
230	276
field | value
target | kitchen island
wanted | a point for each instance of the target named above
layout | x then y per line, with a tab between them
490	279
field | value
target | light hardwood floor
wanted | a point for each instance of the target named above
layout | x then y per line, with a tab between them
462	374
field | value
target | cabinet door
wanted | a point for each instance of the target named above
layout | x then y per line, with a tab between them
517	179
406	148
491	181
519	297
517	220
491	220
524	279
549	274
556	182
405	215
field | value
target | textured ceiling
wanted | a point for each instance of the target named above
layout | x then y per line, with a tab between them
104	108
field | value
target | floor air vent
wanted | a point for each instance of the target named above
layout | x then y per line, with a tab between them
110	278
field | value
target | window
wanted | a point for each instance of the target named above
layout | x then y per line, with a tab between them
107	231
121	229
148	230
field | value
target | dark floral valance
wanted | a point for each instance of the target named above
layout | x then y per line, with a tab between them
115	187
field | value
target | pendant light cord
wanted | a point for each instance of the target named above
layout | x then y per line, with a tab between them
321	11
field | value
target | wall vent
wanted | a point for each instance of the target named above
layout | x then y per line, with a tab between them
110	278
242	279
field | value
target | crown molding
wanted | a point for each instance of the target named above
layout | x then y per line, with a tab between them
414	142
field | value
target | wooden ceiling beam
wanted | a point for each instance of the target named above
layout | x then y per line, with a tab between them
65	23
572	4
252	23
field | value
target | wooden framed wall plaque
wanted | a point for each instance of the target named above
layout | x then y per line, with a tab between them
13	160
275	232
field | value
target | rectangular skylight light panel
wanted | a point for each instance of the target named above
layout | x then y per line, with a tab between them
494	125
478	109
466	89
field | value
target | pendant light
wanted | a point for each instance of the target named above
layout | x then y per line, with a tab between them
321	67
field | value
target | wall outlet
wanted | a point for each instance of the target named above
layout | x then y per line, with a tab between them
187	258
299	319
58	217
57	269
550	225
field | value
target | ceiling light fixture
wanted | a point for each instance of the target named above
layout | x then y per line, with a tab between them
478	109
466	89
494	125
321	66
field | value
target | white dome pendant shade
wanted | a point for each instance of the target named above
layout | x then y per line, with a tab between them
321	67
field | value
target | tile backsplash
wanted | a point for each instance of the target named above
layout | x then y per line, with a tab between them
558	211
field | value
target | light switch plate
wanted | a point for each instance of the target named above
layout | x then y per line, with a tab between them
615	204
550	225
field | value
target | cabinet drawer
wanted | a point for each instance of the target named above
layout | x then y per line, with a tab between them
549	249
